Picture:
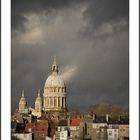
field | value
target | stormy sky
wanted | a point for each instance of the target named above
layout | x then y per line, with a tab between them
90	39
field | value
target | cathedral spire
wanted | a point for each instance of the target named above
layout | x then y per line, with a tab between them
54	66
54	60
23	93
38	92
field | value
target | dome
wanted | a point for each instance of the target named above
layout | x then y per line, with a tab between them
54	80
54	91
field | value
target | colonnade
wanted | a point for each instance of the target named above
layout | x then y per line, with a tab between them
54	101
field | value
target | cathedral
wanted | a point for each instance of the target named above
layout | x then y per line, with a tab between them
54	96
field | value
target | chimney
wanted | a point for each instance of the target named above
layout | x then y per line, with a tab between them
107	117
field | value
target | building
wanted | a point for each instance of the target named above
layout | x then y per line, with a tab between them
38	106
62	133
99	126
74	127
38	103
54	97
124	129
23	104
23	136
54	91
49	117
113	132
39	129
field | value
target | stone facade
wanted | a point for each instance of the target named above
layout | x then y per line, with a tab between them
54	91
23	104
38	103
54	96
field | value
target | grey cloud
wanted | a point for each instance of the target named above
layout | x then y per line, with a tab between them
101	58
19	8
98	12
101	11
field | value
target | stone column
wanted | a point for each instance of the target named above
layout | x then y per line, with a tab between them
53	101
44	103
57	102
49	101
64	102
60	99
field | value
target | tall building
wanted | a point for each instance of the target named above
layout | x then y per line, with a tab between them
54	91
23	104
38	103
37	111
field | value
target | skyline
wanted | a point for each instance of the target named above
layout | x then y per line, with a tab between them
99	72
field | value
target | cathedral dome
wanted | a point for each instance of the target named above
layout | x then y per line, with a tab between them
54	80
54	91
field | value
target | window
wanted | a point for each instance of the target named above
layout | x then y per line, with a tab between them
110	133
102	130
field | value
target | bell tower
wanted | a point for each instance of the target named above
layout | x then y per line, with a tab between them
23	104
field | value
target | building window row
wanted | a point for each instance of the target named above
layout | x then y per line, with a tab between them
55	89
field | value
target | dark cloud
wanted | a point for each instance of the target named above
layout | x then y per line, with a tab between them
101	11
19	8
93	37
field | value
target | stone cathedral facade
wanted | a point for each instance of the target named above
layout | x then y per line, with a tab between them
54	91
54	96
